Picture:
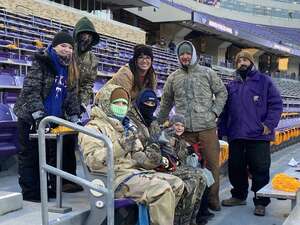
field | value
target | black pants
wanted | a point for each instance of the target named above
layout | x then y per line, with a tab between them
255	155
28	159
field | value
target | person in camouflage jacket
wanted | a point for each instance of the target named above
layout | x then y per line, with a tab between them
50	88
85	37
141	113
160	192
199	95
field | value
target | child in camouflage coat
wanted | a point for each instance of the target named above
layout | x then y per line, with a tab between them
189	209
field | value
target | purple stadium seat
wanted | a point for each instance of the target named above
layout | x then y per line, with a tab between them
8	132
7	80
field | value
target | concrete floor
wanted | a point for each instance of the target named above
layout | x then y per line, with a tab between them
242	215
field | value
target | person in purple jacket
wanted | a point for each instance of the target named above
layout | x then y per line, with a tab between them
251	114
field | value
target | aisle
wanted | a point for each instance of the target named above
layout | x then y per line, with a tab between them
243	215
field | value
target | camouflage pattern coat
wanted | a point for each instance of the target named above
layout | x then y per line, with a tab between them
87	64
193	178
195	186
197	93
36	87
160	192
151	155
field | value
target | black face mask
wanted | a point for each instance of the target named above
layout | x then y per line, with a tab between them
244	70
147	113
84	44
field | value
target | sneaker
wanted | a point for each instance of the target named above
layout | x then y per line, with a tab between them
71	188
233	202
260	210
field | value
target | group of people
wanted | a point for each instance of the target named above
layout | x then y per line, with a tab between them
168	164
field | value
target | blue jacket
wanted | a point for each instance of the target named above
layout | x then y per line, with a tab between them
250	104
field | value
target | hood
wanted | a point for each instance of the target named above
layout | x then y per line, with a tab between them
85	25
101	106
194	54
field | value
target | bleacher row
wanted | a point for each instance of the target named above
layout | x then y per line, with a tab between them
22	35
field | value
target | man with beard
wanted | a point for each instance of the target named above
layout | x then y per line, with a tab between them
252	111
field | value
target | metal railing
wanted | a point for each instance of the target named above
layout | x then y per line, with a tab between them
45	168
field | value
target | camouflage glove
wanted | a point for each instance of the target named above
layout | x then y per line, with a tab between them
149	158
131	144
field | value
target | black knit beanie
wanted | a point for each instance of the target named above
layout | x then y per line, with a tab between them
62	37
142	49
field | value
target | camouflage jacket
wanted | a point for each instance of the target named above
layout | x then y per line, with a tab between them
152	156
197	93
95	152
87	64
36	87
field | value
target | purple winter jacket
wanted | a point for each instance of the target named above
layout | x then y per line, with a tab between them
250	103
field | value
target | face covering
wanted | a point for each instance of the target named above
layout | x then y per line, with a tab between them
244	70
119	111
147	113
84	44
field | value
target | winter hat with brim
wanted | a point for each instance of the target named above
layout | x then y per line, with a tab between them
185	48
84	25
62	37
244	54
177	118
119	94
142	49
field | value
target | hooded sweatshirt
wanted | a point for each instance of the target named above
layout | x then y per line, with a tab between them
196	92
87	62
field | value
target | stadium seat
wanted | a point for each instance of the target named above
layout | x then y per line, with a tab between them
125	208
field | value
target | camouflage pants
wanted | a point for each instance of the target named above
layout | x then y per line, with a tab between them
187	208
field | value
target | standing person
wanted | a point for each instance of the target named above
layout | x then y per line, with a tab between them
85	37
50	88
138	74
160	192
199	95
252	112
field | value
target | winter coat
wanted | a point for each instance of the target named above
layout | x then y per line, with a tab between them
87	62
124	77
94	151
36	87
197	93
250	104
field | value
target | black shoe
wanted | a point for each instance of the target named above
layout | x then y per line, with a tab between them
201	221
32	198
71	188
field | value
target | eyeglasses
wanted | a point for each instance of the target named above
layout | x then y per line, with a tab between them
142	58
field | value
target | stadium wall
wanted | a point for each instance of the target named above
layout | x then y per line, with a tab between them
70	16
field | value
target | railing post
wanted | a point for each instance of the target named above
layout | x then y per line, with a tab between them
43	173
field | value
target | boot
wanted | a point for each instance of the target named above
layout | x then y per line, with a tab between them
233	202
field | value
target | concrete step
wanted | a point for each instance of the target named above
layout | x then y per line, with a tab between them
10	201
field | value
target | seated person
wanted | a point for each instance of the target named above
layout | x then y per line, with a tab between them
159	191
183	152
141	113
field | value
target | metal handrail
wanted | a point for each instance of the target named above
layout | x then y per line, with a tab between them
44	168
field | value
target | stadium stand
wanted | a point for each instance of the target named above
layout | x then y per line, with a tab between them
22	35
